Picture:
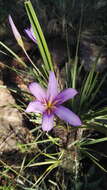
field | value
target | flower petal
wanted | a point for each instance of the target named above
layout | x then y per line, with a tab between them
35	107
37	91
68	116
47	122
52	90
66	95
16	33
30	34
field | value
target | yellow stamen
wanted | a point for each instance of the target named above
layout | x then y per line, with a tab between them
49	104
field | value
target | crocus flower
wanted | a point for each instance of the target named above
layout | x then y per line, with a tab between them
30	34
16	33
48	102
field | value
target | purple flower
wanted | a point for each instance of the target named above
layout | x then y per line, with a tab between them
49	103
30	34
16	32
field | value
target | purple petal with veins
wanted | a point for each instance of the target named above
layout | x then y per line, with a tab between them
47	122
37	91
36	107
68	116
66	95
52	90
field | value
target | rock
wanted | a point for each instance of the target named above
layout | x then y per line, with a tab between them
12	130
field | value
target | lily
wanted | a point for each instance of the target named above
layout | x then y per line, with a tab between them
48	103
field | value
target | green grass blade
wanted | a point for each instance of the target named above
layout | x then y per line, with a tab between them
95	141
97	89
13	54
87	86
39	36
94	160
